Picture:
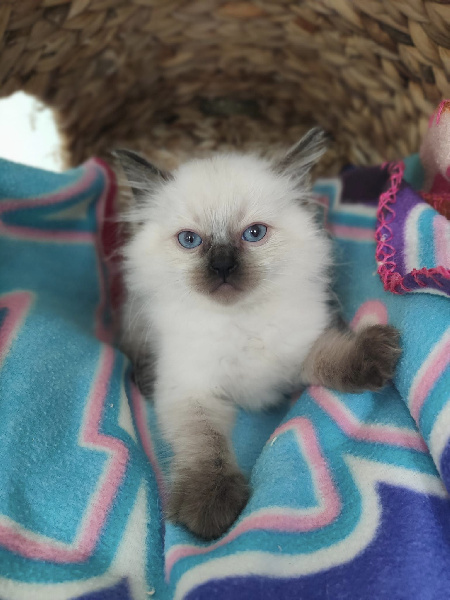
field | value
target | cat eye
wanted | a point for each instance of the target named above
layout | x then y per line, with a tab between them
189	239
254	233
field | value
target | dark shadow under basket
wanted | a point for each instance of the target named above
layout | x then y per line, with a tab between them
176	78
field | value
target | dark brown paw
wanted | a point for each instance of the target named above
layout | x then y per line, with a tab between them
207	501
143	375
374	358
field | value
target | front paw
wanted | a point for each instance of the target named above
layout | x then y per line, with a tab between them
207	500
375	356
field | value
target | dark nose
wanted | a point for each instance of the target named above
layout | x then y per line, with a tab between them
223	264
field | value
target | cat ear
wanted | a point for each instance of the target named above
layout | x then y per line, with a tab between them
299	160
142	176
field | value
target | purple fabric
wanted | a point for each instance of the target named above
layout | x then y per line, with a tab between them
364	184
121	591
409	558
413	240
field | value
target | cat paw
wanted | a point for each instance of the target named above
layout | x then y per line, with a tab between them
375	356
206	502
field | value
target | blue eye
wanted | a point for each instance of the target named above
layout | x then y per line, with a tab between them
189	239
254	233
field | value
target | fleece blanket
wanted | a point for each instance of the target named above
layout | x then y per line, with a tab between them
349	491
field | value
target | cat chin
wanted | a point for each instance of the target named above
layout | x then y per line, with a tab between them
225	293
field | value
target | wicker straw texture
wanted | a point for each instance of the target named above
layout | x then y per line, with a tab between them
175	78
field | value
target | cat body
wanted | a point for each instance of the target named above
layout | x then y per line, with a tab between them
252	358
227	278
249	350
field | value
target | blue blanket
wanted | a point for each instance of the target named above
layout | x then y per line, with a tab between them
349	495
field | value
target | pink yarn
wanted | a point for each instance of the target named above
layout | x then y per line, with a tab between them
385	252
438	112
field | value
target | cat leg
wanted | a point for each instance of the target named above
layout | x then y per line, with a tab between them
208	490
350	361
144	374
135	342
144	366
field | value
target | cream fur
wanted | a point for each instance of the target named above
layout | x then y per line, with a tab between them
212	357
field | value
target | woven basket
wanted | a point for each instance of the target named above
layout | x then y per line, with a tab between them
175	78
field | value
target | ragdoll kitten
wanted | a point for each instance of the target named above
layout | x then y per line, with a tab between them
227	305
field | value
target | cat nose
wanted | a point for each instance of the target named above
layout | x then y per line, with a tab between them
223	265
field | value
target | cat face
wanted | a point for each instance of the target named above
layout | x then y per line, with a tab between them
227	229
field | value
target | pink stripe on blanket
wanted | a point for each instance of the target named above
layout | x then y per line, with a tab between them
350	232
431	370
365	432
17	305
37	235
372	312
117	463
89	174
147	443
29	544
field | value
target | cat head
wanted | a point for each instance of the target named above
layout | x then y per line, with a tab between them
226	228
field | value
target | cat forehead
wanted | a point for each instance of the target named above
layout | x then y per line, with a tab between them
226	168
227	185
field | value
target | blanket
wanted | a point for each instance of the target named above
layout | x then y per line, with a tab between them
349	491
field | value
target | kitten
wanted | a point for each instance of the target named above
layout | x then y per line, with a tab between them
227	305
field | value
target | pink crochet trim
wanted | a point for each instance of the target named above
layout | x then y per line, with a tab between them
430	274
443	105
385	252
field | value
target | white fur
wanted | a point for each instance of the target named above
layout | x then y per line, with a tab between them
213	356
